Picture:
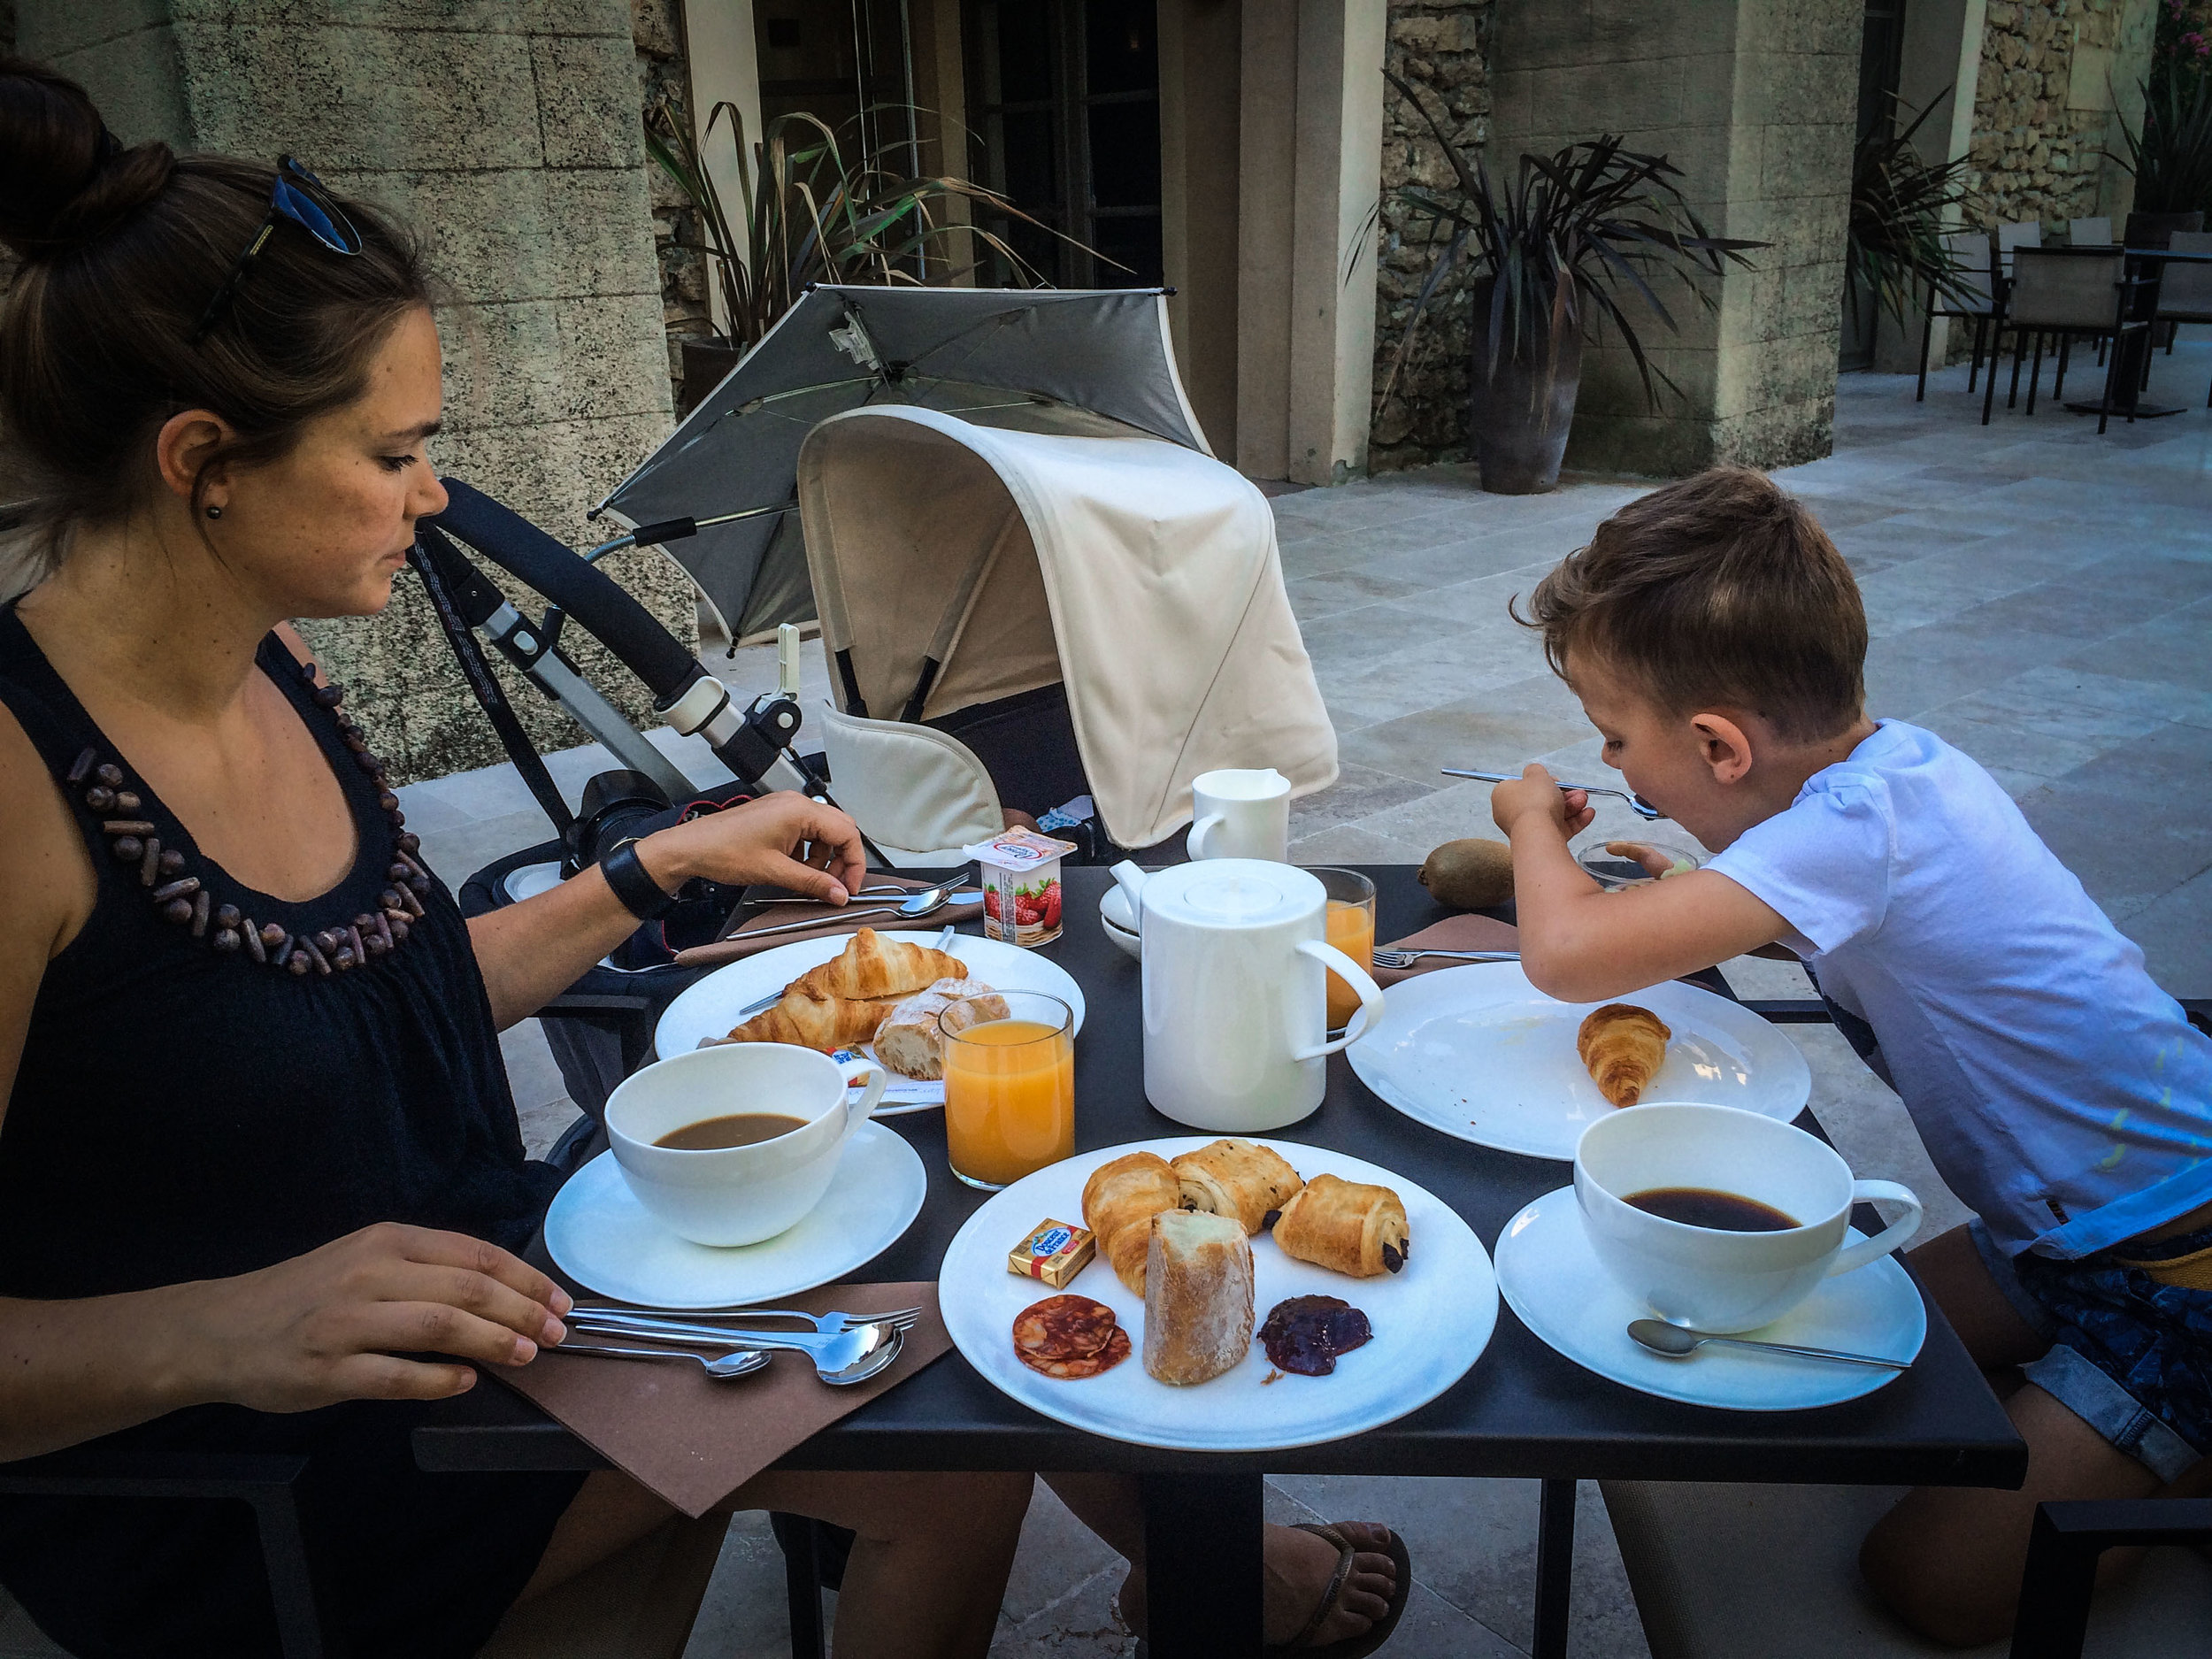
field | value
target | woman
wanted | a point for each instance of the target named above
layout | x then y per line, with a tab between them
260	1178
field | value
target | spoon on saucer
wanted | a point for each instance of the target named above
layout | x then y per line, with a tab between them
1676	1342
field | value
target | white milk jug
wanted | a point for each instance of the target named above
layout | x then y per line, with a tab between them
1235	992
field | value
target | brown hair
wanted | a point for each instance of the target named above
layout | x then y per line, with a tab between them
1721	591
123	249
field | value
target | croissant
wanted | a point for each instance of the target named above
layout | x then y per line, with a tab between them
877	968
1346	1226
834	1023
1119	1201
1239	1178
1623	1046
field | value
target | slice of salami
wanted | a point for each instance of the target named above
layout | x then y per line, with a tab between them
1064	1327
1116	1349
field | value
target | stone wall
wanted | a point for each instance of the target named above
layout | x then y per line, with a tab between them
2053	73
1442	47
506	132
1753	100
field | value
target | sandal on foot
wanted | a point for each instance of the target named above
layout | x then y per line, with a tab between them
1351	1647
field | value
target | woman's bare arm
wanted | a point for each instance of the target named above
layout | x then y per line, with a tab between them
323	1328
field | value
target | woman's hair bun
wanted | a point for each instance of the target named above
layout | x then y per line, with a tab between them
64	180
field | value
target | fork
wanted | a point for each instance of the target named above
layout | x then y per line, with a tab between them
1637	804
831	1324
1388	956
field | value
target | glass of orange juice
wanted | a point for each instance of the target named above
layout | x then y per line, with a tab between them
1351	929
1010	1087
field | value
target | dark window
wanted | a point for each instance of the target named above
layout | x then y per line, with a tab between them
1063	99
1881	57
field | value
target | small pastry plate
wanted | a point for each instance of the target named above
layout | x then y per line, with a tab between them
1479	1053
709	1008
1432	1320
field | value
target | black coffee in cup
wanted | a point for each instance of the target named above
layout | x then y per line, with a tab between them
1703	1207
739	1129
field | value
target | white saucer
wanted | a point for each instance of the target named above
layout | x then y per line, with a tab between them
1552	1279
1119	922
600	1236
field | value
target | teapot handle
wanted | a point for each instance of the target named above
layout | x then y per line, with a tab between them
1370	996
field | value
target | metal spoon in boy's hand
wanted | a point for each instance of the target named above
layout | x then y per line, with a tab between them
1637	804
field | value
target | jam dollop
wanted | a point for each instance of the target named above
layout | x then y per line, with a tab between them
1306	1334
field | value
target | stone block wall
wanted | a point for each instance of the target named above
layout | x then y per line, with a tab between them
1753	100
2055	77
506	132
664	77
1442	47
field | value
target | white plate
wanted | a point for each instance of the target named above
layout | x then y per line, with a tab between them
1479	1053
1552	1279
709	1008
1431	1321
600	1236
1120	922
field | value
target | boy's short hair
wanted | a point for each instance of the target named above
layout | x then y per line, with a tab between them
1721	591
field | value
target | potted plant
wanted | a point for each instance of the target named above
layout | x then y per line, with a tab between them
1549	261
2170	159
812	209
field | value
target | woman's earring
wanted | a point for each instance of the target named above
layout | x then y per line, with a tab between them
214	512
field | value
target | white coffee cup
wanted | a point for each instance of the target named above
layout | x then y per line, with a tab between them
1711	1279
1240	814
730	1195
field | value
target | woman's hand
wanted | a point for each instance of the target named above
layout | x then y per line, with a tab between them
332	1324
1537	793
760	842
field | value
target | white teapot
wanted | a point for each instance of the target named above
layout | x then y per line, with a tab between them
1235	992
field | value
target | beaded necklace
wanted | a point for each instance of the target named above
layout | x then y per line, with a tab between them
183	899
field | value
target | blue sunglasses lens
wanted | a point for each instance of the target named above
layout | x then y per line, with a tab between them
325	225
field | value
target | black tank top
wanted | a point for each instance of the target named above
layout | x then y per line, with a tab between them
181	1112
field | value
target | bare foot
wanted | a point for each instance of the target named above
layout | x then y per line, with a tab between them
1299	1567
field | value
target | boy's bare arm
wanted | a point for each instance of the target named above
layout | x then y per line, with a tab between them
1582	944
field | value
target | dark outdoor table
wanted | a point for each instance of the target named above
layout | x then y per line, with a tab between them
1523	1411
2126	367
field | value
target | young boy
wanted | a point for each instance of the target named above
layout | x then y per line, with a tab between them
1715	639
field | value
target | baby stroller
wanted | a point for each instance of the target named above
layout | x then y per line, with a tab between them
1036	590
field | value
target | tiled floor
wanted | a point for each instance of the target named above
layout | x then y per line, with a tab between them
2039	596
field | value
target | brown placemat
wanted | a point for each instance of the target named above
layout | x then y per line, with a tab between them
735	942
671	1427
1453	933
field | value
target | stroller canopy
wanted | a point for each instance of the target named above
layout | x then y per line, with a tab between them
979	350
955	563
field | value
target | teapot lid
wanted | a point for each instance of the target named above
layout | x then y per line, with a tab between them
1232	893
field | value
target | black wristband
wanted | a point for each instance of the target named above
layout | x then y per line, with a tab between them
639	894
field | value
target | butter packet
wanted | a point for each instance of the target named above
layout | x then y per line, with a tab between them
1054	1253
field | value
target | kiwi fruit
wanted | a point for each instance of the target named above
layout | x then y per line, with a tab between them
1470	875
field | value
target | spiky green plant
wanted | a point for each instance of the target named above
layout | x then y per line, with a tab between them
1575	233
1901	204
2171	156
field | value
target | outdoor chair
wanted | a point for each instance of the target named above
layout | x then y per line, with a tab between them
2089	233
2064	297
1977	265
1718	1571
2184	289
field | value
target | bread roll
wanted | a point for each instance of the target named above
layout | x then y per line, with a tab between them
877	968
1197	1296
1239	1178
1119	1201
911	1039
1623	1046
1347	1227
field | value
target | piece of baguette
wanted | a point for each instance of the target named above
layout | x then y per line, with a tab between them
912	1041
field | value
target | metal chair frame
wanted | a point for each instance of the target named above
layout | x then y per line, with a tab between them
1981	320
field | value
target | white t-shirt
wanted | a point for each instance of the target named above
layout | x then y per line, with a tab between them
2059	1091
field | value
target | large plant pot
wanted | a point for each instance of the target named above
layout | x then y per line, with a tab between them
1519	408
2156	230
704	365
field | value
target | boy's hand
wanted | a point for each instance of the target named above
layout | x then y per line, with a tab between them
1537	792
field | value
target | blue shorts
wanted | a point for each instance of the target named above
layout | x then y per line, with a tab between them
2129	1356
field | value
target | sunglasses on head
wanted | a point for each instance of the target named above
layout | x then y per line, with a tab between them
297	195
